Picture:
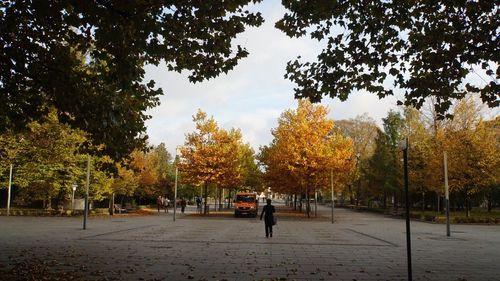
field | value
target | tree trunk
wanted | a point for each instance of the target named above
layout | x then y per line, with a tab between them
395	204
438	203
121	204
48	206
230	198
61	197
423	201
467	206
112	204
358	193
205	209
489	197
385	201
308	205
216	197
315	203
221	191
295	202
351	197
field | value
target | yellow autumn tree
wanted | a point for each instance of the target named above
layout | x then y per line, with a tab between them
146	166
420	151
472	153
473	162
305	150
210	155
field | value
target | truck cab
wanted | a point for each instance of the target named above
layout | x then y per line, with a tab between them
245	203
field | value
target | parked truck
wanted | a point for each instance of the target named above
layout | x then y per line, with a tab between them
246	203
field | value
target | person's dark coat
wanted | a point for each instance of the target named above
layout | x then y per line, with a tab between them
268	213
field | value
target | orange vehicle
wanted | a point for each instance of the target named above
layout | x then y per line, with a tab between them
245	203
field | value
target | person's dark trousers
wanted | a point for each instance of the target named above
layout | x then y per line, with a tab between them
269	229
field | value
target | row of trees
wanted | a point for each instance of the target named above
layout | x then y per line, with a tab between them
471	143
365	161
50	157
308	153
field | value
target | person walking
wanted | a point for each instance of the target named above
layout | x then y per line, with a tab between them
198	203
165	203
269	211
183	205
159	202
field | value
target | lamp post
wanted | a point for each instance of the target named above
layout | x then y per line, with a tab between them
404	147
86	210
359	179
176	176
73	197
175	190
9	192
446	194
333	197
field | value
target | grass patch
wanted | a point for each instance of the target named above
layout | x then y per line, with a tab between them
477	216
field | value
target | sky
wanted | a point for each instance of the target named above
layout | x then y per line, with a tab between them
252	96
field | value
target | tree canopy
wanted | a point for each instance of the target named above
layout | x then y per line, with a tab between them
422	48
305	151
214	156
86	59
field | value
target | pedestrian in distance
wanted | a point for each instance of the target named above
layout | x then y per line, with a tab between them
198	202
268	213
183	205
165	204
159	203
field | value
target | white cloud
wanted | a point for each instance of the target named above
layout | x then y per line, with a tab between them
252	96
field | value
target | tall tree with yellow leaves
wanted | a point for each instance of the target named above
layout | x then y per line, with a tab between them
420	152
305	149
210	155
472	152
146	167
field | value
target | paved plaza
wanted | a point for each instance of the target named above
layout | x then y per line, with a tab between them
359	246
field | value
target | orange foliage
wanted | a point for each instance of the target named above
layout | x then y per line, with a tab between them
305	150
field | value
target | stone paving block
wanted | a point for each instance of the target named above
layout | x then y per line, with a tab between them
358	246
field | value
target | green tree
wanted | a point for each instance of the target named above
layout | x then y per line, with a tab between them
11	146
101	183
378	165
48	165
385	165
251	173
86	59
419	156
422	48
166	170
48	162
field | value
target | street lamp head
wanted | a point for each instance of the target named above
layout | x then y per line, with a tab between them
403	144
74	187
